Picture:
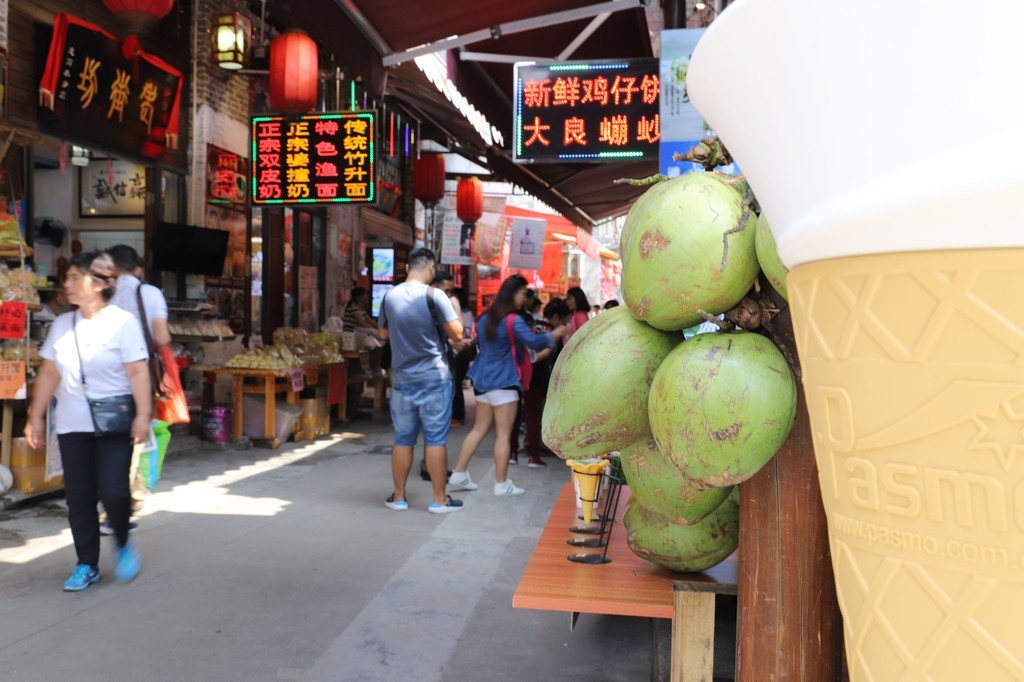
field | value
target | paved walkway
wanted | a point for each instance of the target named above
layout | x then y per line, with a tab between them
285	565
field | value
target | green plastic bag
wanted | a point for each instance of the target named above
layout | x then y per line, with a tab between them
151	462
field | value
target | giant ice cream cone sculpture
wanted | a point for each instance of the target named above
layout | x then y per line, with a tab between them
587	475
886	155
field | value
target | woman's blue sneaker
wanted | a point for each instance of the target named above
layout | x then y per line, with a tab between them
128	563
83	576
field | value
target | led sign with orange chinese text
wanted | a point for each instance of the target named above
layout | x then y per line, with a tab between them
319	158
593	111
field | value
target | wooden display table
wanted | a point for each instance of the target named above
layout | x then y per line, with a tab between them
269	382
378	380
628	586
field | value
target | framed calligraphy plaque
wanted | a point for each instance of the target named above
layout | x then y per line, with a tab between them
118	190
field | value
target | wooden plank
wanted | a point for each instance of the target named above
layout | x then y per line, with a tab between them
693	636
628	586
788	624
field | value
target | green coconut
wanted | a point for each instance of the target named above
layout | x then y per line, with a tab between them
597	398
768	257
656	483
721	405
687	244
688	549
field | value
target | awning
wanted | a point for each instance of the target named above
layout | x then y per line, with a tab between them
484	39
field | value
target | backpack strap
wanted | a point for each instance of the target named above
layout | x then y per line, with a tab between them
437	324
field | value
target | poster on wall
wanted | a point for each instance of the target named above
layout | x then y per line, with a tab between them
307	298
527	249
490	237
111	188
219	217
225	176
456	241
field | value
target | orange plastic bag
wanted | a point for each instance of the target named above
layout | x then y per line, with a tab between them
174	409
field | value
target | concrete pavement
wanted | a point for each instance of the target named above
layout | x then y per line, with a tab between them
285	565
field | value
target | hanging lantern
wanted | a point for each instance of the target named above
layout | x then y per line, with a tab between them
293	72
138	16
428	178
230	33
470	199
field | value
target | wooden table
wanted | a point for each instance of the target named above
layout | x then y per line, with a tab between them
628	586
269	382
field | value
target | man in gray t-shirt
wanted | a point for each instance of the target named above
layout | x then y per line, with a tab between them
421	394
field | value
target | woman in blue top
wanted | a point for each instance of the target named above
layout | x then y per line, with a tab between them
496	381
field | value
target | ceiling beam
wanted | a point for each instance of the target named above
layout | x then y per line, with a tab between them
499	30
365	27
594	24
468	56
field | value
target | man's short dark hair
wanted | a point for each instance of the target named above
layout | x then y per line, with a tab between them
357	293
126	259
421	258
557	306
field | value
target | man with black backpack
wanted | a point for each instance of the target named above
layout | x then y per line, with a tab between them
418	320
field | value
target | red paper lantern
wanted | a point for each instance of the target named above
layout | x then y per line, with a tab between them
294	71
470	199
428	178
139	15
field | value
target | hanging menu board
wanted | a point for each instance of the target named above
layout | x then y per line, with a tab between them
318	158
587	111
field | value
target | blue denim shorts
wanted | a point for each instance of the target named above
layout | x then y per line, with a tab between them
427	406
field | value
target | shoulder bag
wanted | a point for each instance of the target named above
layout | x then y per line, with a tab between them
524	368
111	416
157	367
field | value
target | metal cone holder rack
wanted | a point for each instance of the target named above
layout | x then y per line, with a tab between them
591	476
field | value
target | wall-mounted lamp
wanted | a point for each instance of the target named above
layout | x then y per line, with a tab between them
80	156
231	37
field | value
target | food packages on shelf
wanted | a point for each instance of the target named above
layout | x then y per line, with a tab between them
10	233
266	357
312	349
204	326
18	284
290	336
14	350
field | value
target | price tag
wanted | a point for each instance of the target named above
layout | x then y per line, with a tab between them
12	320
336	377
12	380
297	384
312	376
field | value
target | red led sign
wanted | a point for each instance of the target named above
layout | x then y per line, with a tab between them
593	111
319	158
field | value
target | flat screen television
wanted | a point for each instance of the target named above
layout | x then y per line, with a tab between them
377	295
189	249
383	261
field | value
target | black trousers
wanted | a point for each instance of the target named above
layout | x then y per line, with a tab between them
96	469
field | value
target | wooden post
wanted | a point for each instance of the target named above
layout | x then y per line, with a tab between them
788	624
693	636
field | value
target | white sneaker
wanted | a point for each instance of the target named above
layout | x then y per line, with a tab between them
462	481
507	489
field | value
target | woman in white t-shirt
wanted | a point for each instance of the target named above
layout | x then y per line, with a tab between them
107	343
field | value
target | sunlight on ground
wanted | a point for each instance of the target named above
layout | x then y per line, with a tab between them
207	496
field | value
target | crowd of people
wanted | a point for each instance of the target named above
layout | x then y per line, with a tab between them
507	354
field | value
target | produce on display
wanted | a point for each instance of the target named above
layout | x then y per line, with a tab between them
690	419
653	479
768	257
208	327
597	401
721	405
687	246
683	548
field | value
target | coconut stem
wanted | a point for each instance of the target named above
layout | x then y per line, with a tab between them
722	324
641	182
710	153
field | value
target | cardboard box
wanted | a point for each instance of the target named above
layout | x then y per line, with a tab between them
28	466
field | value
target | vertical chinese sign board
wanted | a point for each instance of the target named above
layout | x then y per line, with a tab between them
12	326
318	158
108	90
593	111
